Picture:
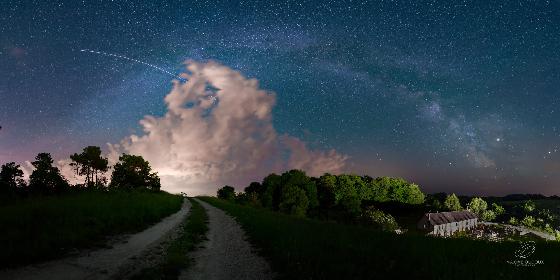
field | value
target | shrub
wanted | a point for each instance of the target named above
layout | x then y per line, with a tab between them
379	219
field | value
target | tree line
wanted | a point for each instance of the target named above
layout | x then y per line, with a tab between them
130	172
333	196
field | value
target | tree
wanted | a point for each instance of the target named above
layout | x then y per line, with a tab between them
477	206
326	191
253	193
529	206
133	172
90	163
300	180
226	192
397	189
488	215
271	194
498	209
513	221
11	176
46	178
452	203
528	221
294	201
254	187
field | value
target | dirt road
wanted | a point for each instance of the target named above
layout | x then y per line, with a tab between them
226	254
103	263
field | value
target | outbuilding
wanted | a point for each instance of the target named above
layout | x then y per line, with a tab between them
447	223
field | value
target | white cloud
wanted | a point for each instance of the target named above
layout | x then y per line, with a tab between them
218	130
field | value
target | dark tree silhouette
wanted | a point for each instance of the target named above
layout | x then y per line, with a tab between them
226	192
46	177
11	176
90	163
254	188
133	172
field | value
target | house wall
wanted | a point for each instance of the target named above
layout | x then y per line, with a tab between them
450	228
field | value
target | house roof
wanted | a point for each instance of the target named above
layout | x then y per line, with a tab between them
449	217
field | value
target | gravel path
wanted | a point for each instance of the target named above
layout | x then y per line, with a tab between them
226	254
103	263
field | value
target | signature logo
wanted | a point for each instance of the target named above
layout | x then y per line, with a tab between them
523	254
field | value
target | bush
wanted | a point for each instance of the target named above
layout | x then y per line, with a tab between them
379	219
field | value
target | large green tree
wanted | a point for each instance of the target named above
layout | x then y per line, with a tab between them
294	201
477	205
11	177
452	203
46	177
133	172
90	163
271	191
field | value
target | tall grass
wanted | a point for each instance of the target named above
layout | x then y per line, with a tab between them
311	249
40	228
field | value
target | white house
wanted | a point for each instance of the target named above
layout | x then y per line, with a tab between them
447	223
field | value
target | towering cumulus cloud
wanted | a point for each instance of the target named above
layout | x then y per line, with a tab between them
218	130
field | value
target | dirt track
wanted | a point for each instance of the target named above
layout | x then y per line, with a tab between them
103	263
226	254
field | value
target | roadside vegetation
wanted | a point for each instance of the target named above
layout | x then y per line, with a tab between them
46	217
176	254
303	248
43	227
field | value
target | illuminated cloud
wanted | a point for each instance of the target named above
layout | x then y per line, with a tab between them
218	130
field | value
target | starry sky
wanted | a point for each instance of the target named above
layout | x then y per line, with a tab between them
457	96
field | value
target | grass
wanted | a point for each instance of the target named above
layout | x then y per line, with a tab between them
311	249
44	227
176	257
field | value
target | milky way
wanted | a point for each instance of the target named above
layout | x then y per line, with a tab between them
456	96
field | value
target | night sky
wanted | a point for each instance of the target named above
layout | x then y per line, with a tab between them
457	96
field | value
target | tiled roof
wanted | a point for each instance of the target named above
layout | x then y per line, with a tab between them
449	217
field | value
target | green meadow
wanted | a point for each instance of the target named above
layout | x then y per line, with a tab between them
39	228
302	248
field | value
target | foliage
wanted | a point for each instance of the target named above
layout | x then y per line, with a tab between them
271	194
399	190
133	172
528	221
488	215
90	163
513	221
11	177
498	209
529	206
46	178
452	203
478	206
375	217
255	188
293	201
292	192
44	227
226	192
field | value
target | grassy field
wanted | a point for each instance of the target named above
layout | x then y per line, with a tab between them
39	228
176	256
310	249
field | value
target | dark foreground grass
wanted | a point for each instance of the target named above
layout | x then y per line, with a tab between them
310	249
40	228
176	254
